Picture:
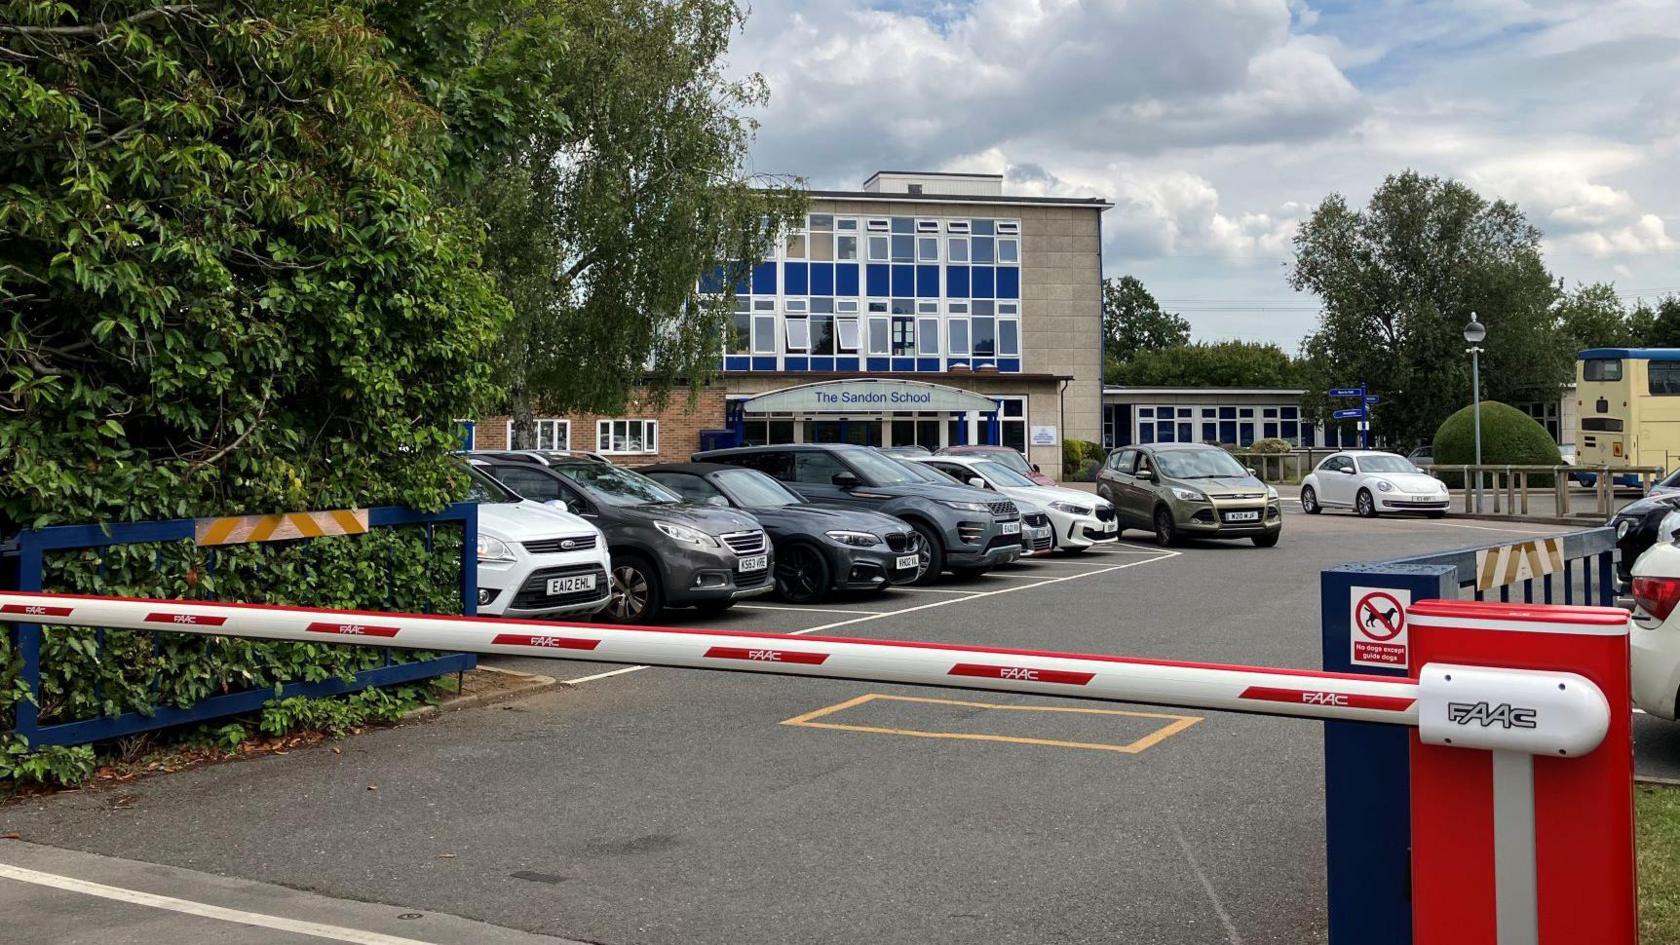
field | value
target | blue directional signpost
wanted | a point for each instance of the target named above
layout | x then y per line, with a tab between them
1362	413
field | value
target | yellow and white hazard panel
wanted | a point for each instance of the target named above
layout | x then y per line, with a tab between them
239	529
1508	564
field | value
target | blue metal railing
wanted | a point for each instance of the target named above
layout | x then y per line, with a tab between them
27	567
1367	768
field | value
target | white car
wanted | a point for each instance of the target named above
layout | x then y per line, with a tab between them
1372	482
1656	626
535	559
1078	519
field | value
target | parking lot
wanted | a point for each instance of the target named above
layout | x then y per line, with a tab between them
671	806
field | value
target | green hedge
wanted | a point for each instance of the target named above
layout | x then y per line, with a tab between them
1509	437
1081	459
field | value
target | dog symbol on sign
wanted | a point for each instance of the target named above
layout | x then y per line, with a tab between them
1379	627
1380	616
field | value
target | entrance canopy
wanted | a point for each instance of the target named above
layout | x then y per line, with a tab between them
868	395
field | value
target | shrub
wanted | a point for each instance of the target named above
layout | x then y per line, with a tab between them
1271	446
1509	437
1081	459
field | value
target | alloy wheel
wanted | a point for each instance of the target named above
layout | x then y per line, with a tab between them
797	571
630	592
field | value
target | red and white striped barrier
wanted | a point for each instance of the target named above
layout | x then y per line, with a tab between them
1510	704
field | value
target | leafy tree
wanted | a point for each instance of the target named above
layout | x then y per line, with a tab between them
1658	327
1203	364
1593	317
225	282
1133	321
1399	279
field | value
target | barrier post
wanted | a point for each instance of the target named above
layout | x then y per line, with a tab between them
1367	819
1510	847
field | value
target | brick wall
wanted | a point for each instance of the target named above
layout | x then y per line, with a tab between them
680	423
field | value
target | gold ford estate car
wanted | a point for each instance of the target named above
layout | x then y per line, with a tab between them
1182	490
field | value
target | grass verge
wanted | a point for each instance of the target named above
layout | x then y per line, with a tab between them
1658	819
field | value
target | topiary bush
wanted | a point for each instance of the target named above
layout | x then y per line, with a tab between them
1509	437
1081	459
1271	446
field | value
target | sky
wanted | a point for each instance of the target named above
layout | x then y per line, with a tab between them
1215	126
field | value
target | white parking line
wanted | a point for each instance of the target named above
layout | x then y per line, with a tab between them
1160	555
927	590
805	610
203	910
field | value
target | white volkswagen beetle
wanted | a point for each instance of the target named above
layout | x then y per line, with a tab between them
1372	482
1079	519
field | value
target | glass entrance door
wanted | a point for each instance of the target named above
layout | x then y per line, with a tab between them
859	432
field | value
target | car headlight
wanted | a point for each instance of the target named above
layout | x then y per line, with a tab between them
1622	528
1271	494
1070	508
686	535
858	539
966	506
493	549
1188	495
1383	485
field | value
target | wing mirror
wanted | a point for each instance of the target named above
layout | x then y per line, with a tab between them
718	501
1344	470
977	482
1035	468
1251	471
557	504
845	480
1148	474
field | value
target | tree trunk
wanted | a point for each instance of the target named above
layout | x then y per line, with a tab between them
523	435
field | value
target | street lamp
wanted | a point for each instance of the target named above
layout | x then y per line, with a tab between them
1474	332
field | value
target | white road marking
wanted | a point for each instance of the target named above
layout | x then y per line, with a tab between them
1533	529
203	910
927	590
1160	555
805	610
1207	886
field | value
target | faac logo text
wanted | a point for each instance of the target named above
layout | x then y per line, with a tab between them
1504	714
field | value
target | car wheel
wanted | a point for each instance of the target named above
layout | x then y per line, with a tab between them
801	574
1309	501
931	552
1365	505
1166	533
1267	541
637	594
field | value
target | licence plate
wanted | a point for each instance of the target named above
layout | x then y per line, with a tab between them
905	562
571	585
1242	516
755	563
1010	528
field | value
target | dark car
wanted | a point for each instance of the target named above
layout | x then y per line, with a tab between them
819	549
965	530
1636	529
666	551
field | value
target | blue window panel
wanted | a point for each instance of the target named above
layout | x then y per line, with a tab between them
822	364
1245	434
1270	430
1210	431
743	285
1227	431
713	282
845	364
764	279
904	364
1009	364
1184	431
956	282
903	281
846	279
822	278
1308	434
927	282
1146	433
1009	282
764	364
1147	412
1228	413
737	364
1291	429
927	364
880	364
879	278
1185	412
797	278
1291	413
796	364
982	287
956	363
1270	413
1165	432
982	363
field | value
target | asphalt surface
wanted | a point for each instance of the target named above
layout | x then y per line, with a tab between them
676	806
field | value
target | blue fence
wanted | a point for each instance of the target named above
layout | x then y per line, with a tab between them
27	569
1368	767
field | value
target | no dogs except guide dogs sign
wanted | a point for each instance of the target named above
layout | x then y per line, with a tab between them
1379	626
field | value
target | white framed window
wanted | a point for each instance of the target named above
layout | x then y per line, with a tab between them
630	437
820	221
877	305
878	335
903	336
764	305
846	306
846	334
927	249
1009	227
794	246
1009	337
764	334
1009	250
880	226
957	335
927	337
552	434
880	248
956	226
846	224
957	308
927	226
846	248
956	249
927	307
1009	308
798	334
794	305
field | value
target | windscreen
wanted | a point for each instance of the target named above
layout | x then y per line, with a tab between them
1198	464
1385	464
880	470
616	485
1010	458
482	490
754	490
1003	475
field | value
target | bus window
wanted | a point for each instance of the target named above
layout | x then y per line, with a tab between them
1665	377
1601	369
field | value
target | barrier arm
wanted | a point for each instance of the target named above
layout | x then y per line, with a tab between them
1480	711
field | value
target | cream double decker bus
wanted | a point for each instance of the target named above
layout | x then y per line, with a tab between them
1630	407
